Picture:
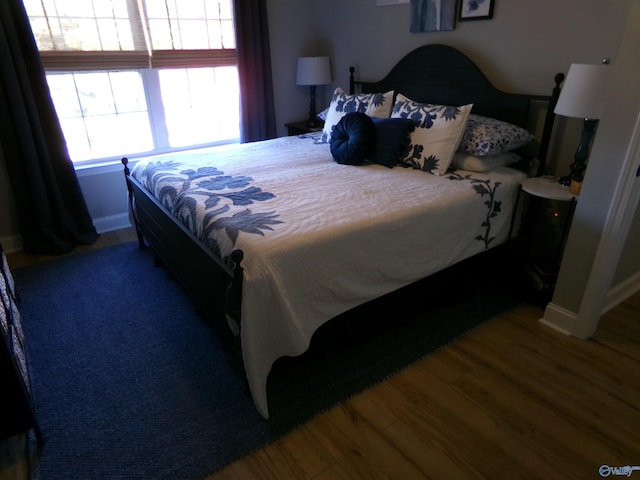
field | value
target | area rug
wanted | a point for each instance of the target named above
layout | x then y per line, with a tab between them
130	382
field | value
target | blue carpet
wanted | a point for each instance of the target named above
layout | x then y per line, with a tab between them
130	382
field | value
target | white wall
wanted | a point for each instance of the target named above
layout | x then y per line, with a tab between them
631	253
520	49
293	34
608	161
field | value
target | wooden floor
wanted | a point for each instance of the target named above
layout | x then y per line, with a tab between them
511	399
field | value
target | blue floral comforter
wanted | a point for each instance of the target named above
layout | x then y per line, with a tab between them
321	238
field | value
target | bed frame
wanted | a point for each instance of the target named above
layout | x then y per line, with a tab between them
431	73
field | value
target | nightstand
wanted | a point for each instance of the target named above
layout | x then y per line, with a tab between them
547	187
546	218
300	128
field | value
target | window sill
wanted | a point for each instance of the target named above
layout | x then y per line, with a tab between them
115	165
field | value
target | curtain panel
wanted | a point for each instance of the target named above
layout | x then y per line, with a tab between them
52	212
257	110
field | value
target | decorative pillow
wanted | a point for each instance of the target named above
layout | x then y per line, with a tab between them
437	134
373	104
392	140
465	161
323	114
353	139
488	136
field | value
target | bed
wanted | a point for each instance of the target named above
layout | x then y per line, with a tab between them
273	239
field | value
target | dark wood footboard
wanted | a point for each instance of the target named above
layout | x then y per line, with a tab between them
215	288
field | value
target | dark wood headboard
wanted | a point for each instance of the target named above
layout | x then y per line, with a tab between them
443	75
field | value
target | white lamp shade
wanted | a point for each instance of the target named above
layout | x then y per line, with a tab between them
583	92
313	71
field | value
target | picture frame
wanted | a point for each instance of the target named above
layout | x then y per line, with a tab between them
475	10
433	15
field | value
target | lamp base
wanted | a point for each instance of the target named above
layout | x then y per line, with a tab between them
565	181
313	119
579	165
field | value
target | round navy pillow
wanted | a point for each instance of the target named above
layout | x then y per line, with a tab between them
353	139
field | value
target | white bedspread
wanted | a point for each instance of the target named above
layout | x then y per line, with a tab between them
321	238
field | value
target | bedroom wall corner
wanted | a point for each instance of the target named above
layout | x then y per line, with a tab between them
604	217
520	49
630	268
293	33
559	319
100	182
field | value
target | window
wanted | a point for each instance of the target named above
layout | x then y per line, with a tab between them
134	77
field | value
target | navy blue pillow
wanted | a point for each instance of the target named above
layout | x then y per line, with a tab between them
392	140
353	139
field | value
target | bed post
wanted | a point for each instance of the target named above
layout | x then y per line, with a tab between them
548	123
127	172
233	299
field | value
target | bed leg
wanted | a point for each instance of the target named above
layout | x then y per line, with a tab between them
548	124
233	303
127	172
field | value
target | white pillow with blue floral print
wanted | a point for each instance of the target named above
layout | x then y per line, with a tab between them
487	136
323	114
373	104
438	132
486	163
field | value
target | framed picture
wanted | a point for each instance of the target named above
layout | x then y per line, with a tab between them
475	10
433	15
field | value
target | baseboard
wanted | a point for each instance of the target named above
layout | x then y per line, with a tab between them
622	291
112	222
560	319
564	321
12	243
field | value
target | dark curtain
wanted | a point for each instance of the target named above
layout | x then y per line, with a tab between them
52	213
257	110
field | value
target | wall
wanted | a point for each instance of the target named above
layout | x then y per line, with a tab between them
105	182
606	167
630	268
520	49
293	34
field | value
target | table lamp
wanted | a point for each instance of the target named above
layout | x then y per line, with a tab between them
582	96
313	71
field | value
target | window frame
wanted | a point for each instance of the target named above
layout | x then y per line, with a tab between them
147	62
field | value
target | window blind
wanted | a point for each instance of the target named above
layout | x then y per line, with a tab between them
77	35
